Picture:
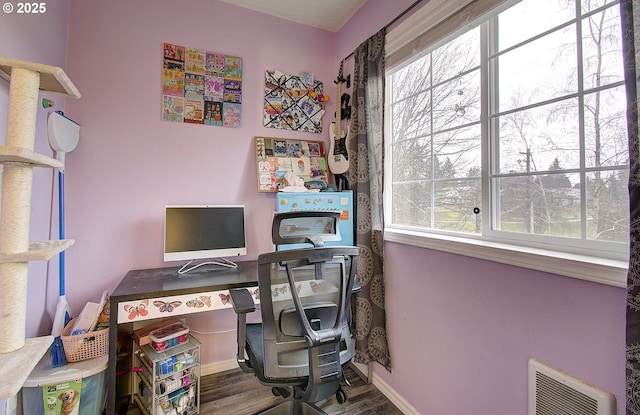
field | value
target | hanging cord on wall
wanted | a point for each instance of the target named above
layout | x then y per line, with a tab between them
395	19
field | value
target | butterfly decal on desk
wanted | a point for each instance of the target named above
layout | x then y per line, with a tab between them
203	300
316	286
167	307
137	311
226	298
284	289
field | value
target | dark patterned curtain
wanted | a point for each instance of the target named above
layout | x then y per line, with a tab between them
366	146
630	10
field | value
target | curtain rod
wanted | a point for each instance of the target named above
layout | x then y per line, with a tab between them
395	19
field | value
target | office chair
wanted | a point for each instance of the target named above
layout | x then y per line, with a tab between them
304	338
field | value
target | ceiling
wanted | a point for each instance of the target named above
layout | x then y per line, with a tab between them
330	15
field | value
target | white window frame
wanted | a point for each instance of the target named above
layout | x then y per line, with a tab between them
535	255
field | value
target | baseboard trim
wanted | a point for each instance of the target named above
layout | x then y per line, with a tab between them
383	387
217	367
393	396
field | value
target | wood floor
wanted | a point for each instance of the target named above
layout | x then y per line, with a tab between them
237	393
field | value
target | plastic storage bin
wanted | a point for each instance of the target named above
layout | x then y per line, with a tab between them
169	336
93	389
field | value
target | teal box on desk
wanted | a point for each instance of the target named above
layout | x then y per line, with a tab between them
325	201
50	386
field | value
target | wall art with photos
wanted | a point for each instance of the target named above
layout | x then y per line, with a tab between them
293	102
275	157
201	87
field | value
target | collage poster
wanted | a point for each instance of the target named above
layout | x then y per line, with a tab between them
275	157
293	102
201	87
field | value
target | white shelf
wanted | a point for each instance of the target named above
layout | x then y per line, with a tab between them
18	365
38	251
23	155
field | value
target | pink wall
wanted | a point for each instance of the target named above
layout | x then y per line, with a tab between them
461	330
460	334
373	16
130	164
39	38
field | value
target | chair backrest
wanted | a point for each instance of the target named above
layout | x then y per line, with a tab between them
311	227
305	300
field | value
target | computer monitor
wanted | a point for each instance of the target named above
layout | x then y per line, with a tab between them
194	232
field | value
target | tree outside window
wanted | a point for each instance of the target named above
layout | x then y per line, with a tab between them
556	135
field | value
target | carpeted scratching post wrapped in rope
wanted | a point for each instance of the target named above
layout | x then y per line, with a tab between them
17	179
18	355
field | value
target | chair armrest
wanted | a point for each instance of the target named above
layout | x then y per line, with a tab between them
242	304
242	301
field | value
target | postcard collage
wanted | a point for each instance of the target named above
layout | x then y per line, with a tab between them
293	102
278	156
201	87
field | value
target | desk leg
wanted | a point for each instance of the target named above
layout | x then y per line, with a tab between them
113	358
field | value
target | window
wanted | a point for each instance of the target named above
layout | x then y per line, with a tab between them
514	131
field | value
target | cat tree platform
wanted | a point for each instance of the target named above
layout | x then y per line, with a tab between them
52	78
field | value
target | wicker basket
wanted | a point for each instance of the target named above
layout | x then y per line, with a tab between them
84	346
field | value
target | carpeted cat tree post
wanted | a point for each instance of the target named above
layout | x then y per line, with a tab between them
16	207
19	355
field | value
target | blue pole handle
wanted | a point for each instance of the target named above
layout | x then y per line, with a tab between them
61	229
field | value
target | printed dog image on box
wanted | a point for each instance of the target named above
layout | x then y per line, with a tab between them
69	399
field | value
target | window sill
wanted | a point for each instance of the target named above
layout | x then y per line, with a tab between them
599	270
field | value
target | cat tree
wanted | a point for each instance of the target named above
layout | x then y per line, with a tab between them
18	355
